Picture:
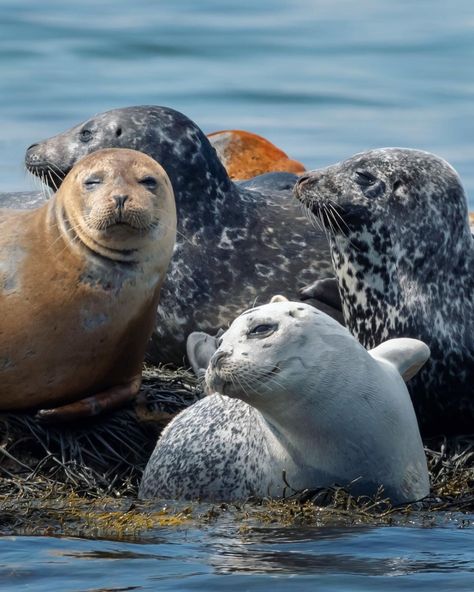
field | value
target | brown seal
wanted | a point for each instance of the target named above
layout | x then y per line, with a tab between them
246	155
79	285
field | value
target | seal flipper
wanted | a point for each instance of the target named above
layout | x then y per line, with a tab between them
407	355
200	348
326	291
108	400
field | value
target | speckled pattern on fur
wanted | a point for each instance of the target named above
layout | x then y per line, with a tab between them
236	243
227	460
403	253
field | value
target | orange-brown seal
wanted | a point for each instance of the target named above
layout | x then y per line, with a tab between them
79	285
246	155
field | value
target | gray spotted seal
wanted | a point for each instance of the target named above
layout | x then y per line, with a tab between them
235	242
403	253
302	405
80	278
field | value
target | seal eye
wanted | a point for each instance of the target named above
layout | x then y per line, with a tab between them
85	135
118	132
263	330
149	182
365	179
92	183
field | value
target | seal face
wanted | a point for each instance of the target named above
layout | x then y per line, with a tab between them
403	253
236	242
301	405
80	279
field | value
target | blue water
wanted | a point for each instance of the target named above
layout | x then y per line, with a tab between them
322	79
218	558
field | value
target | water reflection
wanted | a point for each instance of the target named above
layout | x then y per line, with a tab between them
355	551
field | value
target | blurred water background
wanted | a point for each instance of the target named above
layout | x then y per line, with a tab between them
322	79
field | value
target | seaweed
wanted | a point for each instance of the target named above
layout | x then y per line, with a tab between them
82	479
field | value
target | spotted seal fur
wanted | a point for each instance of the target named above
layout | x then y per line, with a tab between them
236	243
301	405
403	253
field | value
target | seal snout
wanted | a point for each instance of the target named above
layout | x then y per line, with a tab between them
32	158
218	357
120	201
306	181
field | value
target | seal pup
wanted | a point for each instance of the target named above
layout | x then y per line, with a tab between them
235	243
403	254
246	155
79	284
301	404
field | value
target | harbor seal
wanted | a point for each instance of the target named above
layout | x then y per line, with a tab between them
246	155
79	285
403	254
236	243
301	405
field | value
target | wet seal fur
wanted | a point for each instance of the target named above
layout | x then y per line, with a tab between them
301	405
79	285
404	258
236	243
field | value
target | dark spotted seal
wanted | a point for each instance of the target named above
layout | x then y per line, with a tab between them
403	253
301	405
236	244
80	278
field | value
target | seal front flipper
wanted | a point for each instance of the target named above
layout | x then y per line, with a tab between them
326	291
407	355
200	348
324	295
107	400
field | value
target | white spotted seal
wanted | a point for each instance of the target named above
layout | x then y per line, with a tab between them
403	254
235	242
301	405
79	284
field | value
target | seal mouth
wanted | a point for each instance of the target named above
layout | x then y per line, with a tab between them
46	173
232	387
121	221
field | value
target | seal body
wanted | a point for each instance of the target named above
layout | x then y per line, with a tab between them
80	279
246	155
301	405
403	253
236	243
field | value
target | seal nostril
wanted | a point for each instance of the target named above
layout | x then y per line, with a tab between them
217	357
31	147
307	178
120	201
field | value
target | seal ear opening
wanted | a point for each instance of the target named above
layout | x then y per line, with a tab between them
407	355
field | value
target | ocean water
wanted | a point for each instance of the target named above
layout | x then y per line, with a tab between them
219	557
322	79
